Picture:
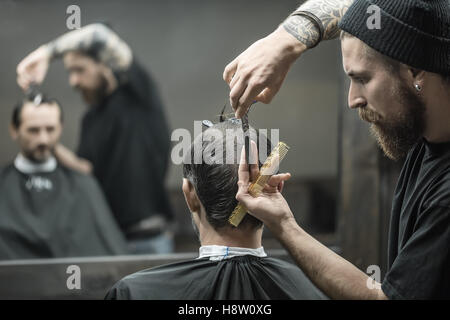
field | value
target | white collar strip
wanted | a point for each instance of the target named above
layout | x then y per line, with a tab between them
27	166
217	253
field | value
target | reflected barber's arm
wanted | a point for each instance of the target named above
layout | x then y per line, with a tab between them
69	159
109	49
258	73
335	276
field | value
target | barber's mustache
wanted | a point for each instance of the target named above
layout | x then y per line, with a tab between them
369	115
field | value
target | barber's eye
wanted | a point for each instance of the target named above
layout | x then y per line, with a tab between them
361	80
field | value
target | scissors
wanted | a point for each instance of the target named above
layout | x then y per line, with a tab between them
34	94
245	129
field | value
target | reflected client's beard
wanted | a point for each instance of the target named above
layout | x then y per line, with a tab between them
398	134
31	154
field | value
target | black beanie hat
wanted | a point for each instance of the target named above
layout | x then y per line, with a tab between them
414	32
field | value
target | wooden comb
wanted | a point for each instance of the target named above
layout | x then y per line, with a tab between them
269	168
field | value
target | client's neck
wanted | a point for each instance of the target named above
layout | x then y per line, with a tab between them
231	237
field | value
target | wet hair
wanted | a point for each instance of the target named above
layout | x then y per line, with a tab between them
216	184
17	110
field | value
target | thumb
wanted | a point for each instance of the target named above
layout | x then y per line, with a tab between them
247	200
244	197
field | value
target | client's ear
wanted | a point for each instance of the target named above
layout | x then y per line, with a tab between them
13	132
190	195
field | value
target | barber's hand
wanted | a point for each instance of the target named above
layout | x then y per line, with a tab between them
258	72
33	68
270	207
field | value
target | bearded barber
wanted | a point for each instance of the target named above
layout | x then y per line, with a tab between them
124	136
400	83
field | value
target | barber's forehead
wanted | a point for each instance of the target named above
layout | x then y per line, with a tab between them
355	55
42	112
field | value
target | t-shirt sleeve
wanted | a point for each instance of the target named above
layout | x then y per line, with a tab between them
420	271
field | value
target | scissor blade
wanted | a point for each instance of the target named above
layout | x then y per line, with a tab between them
245	129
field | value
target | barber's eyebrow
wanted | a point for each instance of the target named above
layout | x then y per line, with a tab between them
356	74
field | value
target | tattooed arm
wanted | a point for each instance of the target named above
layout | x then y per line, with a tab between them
329	12
95	39
258	73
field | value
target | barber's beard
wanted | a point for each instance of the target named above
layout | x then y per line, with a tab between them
397	134
95	96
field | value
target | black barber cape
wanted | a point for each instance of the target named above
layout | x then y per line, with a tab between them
60	213
242	277
127	140
419	236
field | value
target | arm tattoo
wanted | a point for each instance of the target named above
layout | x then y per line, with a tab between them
96	39
303	29
329	12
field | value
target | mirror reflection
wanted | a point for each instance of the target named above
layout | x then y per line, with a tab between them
89	113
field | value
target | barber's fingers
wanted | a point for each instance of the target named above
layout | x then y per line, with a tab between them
243	174
24	81
267	94
276	182
248	98
229	71
254	162
247	200
233	81
236	92
280	187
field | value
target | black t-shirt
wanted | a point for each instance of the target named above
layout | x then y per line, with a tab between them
419	236
127	140
239	278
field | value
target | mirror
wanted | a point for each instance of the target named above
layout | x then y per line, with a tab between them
185	47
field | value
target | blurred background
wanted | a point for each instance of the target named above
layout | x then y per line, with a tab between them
185	45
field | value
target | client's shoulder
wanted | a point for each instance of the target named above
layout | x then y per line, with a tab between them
157	283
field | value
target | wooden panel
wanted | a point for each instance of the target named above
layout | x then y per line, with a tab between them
47	278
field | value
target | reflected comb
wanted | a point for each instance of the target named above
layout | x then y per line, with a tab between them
269	168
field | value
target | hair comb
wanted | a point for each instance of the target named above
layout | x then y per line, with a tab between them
268	169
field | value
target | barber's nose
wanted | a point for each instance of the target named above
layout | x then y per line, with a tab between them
355	98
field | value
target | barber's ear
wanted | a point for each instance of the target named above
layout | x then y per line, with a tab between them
190	195
109	75
13	132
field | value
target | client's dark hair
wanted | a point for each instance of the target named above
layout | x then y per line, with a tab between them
17	110
216	184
